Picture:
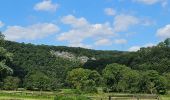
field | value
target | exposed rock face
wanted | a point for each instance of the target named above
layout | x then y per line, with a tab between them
83	59
70	56
63	54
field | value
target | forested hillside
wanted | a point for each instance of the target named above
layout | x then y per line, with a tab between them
151	58
43	67
37	61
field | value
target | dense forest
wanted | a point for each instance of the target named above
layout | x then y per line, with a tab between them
49	68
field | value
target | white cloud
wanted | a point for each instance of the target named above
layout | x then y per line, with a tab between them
81	29
151	2
136	48
123	22
103	42
31	32
46	5
164	32
120	41
149	45
1	24
74	22
110	11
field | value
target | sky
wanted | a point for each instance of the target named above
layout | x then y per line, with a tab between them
124	25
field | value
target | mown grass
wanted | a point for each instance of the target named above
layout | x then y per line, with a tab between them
26	95
32	95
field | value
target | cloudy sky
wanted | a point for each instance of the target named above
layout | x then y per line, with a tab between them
97	24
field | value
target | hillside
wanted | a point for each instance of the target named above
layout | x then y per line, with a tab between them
49	65
29	58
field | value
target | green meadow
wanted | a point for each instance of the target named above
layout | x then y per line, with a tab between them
68	94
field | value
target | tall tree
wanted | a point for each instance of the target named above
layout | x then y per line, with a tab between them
37	81
152	82
120	78
83	79
5	58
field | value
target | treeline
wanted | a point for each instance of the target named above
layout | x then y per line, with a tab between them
38	69
150	58
33	67
118	78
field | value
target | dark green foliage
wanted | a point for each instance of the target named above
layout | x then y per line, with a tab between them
38	69
108	57
151	58
30	59
11	83
155	58
120	78
37	81
152	82
83	79
167	76
167	42
5	59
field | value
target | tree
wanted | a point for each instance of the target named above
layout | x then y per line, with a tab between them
120	78
37	81
5	58
162	66
83	79
167	76
151	82
95	76
11	83
167	42
132	78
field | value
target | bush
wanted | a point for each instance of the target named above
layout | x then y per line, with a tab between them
37	81
11	83
76	97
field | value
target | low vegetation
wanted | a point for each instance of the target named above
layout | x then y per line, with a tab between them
73	97
71	94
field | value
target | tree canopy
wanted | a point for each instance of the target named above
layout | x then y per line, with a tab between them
83	79
37	68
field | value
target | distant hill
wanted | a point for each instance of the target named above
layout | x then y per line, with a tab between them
30	58
55	61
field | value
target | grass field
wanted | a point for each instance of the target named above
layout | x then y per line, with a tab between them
30	95
165	97
26	95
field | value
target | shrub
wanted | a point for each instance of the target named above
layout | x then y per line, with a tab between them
11	83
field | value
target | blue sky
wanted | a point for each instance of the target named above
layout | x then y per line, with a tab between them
98	24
